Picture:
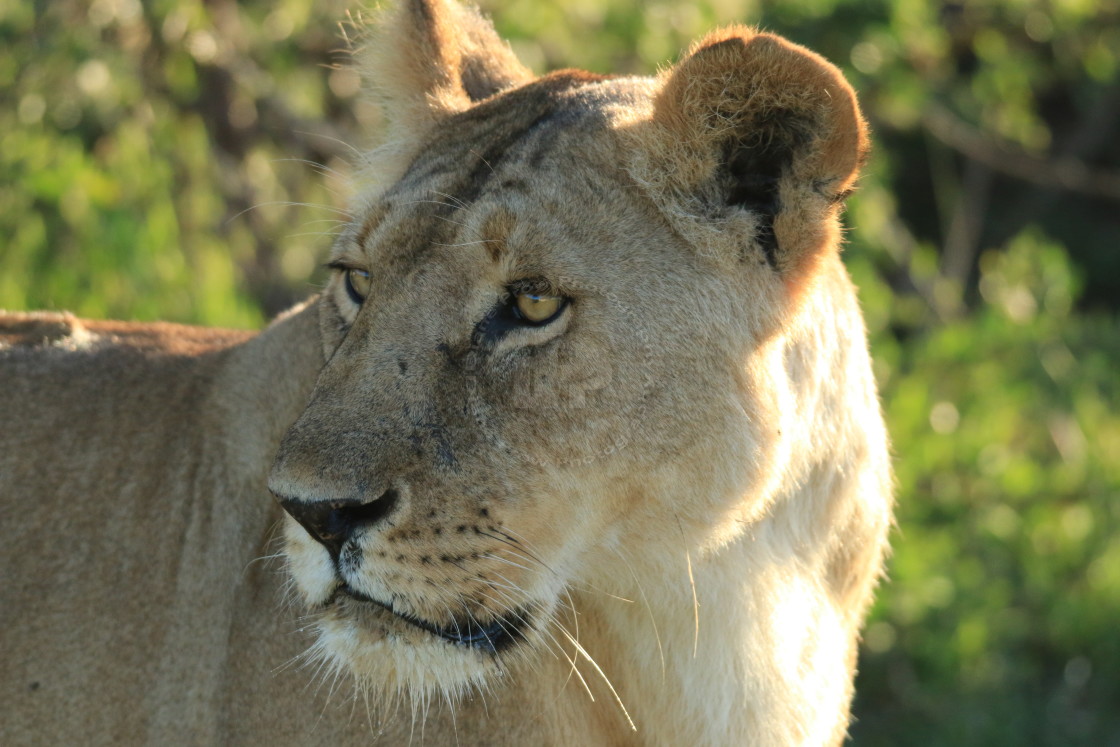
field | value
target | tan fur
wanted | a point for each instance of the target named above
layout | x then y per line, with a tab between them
680	486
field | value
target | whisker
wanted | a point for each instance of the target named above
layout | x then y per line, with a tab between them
649	609
574	668
515	553
288	203
369	713
465	243
489	556
480	157
692	583
575	614
695	606
507	540
515	539
441	203
262	558
502	607
461	203
490	584
322	168
330	138
571	660
331	234
606	680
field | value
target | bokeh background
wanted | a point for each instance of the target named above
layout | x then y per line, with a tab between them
189	160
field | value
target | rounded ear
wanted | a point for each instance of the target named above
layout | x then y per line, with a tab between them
429	58
764	125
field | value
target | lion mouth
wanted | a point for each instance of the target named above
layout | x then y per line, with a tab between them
494	637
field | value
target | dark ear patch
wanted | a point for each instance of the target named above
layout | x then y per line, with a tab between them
749	121
754	175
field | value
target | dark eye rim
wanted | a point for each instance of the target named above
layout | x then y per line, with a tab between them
505	317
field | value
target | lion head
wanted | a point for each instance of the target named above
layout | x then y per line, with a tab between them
557	340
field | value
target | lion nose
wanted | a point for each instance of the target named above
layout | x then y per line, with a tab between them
331	523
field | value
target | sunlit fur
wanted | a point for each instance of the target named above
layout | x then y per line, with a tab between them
716	538
681	483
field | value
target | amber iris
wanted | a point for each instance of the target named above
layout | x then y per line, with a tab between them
357	284
538	309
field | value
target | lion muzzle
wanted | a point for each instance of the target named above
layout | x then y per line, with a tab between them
332	523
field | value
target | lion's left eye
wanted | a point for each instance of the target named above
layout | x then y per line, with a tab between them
537	309
357	285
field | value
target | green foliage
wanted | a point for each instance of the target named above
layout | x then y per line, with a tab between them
188	160
998	624
136	177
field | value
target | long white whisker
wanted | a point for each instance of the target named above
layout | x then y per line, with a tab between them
320	135
287	203
322	168
441	204
481	158
649	609
521	555
516	539
489	556
507	540
261	559
692	584
458	201
465	243
606	680
695	606
333	233
555	647
574	668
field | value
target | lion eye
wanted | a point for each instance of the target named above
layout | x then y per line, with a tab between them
538	309
357	285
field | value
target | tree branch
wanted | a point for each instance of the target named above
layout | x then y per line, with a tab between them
1061	172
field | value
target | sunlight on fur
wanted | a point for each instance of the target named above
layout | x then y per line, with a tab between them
580	443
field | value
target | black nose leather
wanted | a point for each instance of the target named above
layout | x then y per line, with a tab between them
331	523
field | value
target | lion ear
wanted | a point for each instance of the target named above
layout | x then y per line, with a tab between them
429	58
760	124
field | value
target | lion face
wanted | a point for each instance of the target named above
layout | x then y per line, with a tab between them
533	365
504	360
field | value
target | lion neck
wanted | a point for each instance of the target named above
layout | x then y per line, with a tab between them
723	639
704	648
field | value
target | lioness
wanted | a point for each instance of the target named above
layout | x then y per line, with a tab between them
579	446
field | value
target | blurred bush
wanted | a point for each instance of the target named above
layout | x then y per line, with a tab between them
188	160
170	159
998	624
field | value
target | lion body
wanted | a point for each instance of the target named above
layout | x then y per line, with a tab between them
656	517
140	610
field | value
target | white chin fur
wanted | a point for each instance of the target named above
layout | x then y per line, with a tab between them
378	661
384	665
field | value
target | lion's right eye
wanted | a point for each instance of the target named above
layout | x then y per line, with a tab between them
357	285
537	309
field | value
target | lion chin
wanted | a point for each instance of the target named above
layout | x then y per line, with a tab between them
373	635
386	658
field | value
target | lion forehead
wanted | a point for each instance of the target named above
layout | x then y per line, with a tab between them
502	148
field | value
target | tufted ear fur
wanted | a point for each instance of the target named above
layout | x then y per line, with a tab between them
429	58
755	123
